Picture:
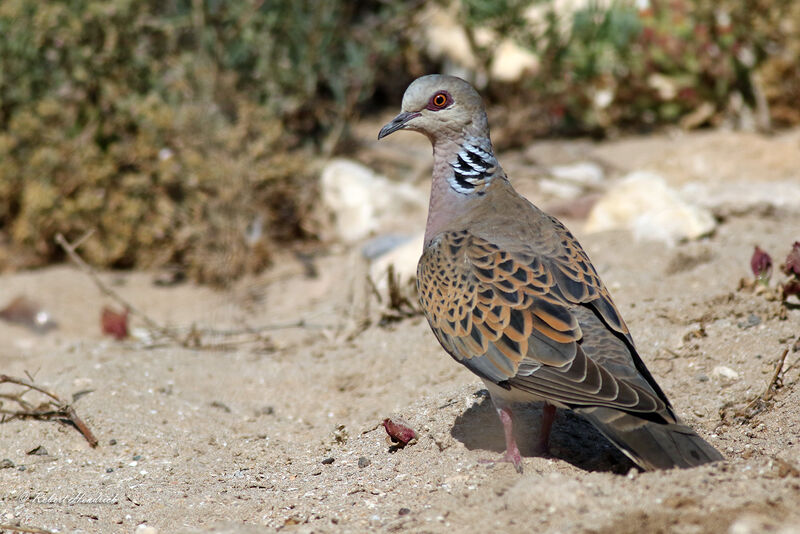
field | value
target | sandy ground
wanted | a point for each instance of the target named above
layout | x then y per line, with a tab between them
284	434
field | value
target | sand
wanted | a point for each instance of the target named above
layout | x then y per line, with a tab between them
284	433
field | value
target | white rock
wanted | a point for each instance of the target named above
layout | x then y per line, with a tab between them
559	189
583	173
404	258
446	39
666	87
380	245
750	523
145	529
362	201
511	61
724	372
644	204
741	196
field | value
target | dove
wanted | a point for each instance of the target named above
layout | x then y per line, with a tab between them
510	294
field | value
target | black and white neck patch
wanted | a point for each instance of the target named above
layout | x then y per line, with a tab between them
472	168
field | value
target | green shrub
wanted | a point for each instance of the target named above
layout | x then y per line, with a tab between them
170	127
623	66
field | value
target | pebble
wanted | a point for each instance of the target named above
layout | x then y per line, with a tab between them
5	463
403	511
380	245
751	321
145	529
364	462
583	173
725	372
328	461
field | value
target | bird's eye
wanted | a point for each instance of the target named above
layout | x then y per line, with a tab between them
439	101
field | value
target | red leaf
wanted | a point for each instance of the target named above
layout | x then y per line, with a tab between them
792	265
114	324
399	430
761	264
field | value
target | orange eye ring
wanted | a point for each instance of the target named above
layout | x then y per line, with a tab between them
439	100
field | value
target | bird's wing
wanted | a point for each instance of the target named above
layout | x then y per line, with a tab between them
544	324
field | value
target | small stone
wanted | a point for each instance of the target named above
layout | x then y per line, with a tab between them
364	462
584	173
725	372
137	457
701	377
751	321
5	463
403	511
380	245
109	470
112	442
145	529
328	461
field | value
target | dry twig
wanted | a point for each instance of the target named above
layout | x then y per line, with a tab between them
399	305
71	250
758	404
189	337
55	408
21	528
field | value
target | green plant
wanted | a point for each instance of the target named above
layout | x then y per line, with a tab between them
173	127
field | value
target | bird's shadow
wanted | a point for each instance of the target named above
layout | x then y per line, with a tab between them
573	439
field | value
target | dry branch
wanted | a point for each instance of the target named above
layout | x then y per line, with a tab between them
71	250
54	408
190	337
21	528
760	403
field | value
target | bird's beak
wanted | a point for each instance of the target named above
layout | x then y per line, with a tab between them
397	123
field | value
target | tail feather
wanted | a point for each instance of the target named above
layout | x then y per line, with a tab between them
652	445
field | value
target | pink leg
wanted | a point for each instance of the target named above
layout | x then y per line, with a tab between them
512	451
548	416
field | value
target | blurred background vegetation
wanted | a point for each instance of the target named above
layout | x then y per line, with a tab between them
187	131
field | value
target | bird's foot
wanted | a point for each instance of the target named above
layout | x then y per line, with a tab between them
512	451
511	457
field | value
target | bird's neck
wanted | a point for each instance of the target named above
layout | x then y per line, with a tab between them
463	169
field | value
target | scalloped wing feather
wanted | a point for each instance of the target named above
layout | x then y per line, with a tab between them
538	324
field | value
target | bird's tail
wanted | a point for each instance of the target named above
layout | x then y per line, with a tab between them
652	445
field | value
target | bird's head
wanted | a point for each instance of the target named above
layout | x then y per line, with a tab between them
439	106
